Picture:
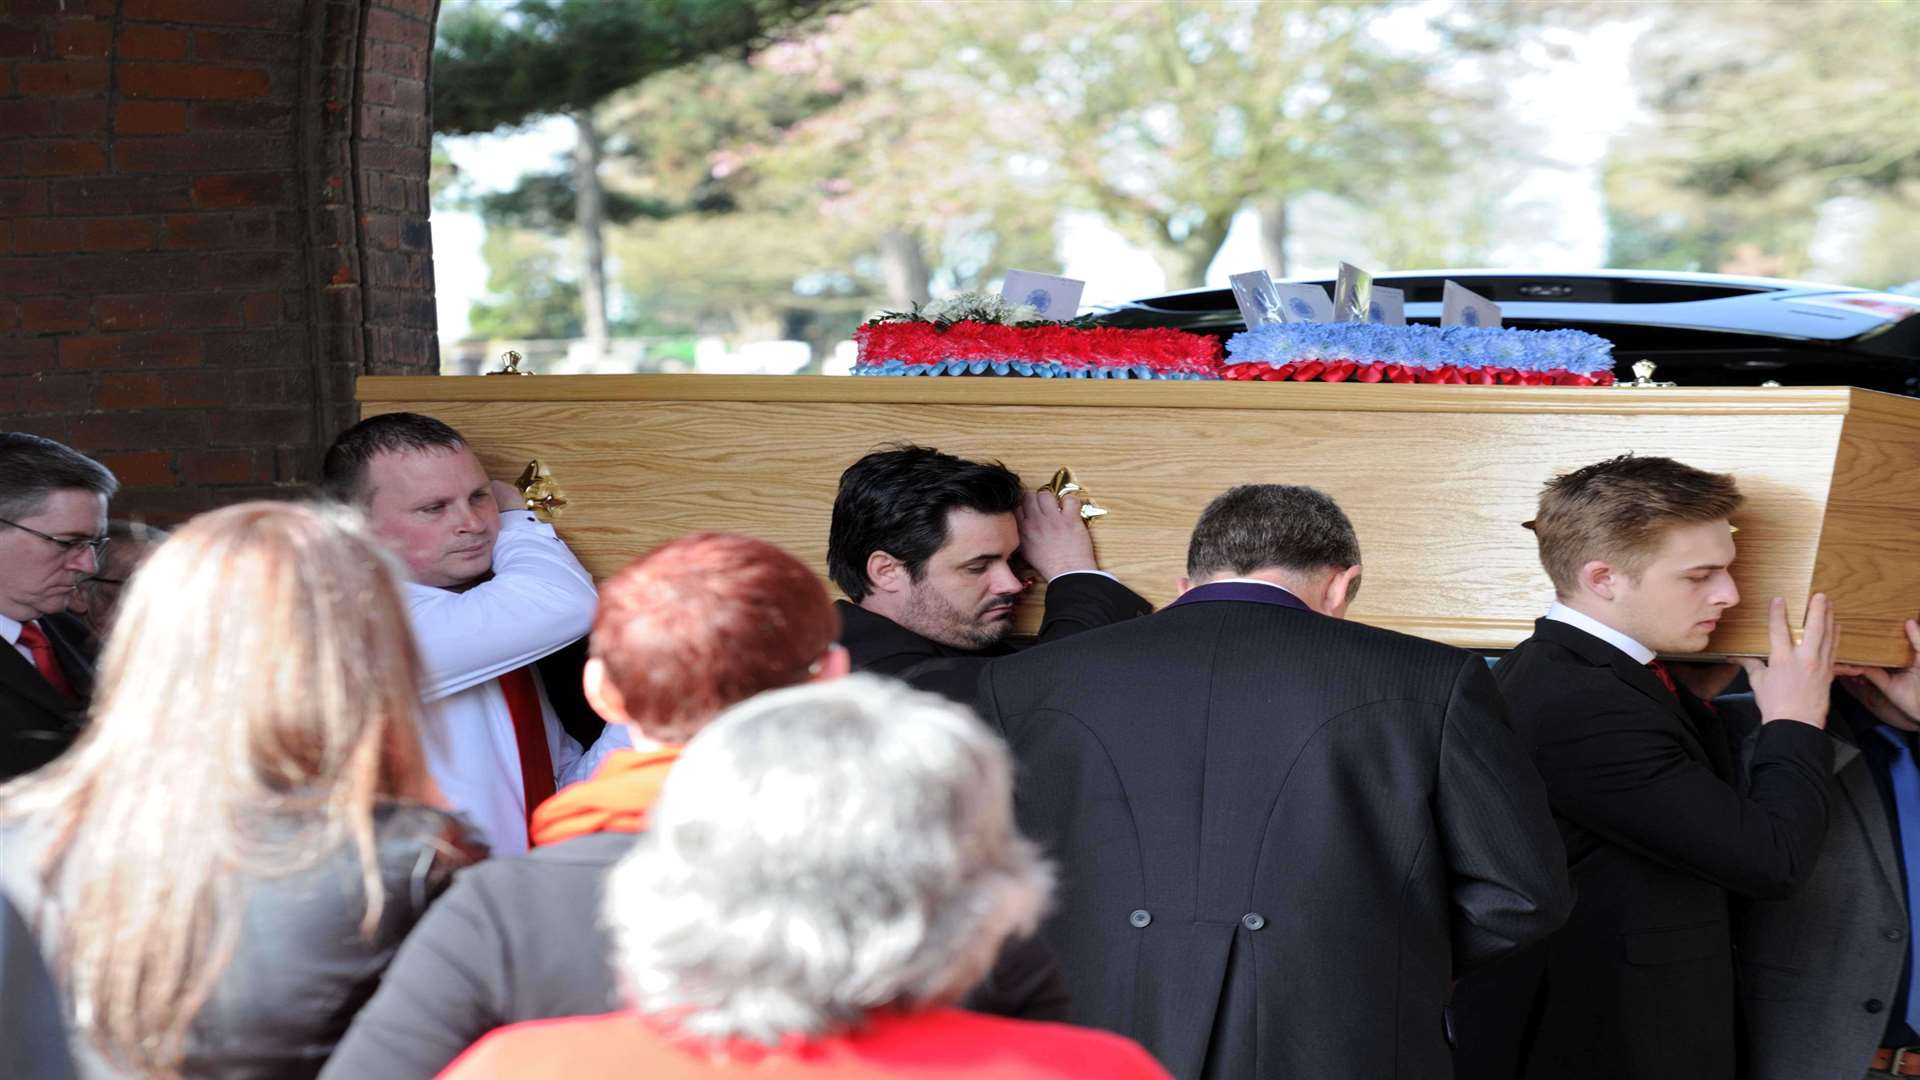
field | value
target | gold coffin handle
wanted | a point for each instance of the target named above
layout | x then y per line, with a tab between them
1063	485
542	494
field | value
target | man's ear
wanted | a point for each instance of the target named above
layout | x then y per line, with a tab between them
887	574
606	698
1181	584
1341	587
833	664
1599	578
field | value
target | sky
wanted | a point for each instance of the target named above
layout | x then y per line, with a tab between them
1577	105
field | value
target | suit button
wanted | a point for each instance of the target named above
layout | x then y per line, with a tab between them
1252	920
1874	1005
1140	917
1893	933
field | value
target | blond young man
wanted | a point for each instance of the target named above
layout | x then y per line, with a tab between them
1659	831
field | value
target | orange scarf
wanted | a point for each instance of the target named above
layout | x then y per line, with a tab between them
616	798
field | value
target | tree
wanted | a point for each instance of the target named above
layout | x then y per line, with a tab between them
1169	118
495	67
1764	116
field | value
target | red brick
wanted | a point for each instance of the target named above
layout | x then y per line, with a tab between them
54	157
243	45
27	277
226	151
383	25
144	430
261	427
46	236
39	392
121	195
22	198
246	189
178	388
221	467
150	118
118	234
54	315
408	61
87	37
253	270
63	8
199	230
138	272
81	115
18	43
159	311
262	308
144	468
61	77
255	348
242	116
20	354
283	14
24	117
9	315
198	81
151	43
132	351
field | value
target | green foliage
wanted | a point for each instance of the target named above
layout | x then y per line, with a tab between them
495	66
1763	116
546	202
530	295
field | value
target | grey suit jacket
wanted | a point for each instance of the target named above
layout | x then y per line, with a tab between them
1818	970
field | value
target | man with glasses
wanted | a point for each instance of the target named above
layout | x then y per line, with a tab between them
97	596
53	521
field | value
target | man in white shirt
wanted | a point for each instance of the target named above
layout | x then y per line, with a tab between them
53	523
493	591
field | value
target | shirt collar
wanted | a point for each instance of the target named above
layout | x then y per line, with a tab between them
1561	613
10	630
1252	581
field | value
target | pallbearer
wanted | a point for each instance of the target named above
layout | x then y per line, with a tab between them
1659	830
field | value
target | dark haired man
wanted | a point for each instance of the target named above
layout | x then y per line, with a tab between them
923	543
495	596
1658	825
1281	835
53	523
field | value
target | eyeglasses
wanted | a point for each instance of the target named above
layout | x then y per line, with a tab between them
98	544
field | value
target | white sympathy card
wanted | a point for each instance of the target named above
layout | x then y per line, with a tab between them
1461	306
1056	298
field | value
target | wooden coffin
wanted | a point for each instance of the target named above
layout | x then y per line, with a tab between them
1437	479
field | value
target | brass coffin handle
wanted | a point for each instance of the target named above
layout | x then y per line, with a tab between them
1063	485
542	494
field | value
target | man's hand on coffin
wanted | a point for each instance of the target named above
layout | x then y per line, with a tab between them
1892	695
1053	537
508	497
1794	681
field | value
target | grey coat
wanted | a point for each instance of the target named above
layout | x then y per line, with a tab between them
1819	969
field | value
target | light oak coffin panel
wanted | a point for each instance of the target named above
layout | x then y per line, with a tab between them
1437	479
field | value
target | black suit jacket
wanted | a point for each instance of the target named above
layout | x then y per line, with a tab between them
877	644
1639	984
37	722
1280	836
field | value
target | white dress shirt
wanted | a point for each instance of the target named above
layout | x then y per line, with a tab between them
10	630
1560	612
539	599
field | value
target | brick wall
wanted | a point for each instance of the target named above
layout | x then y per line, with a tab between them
213	216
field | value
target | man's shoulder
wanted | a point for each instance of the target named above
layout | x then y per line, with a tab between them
877	643
1169	637
551	877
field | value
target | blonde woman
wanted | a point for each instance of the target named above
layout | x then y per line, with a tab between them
222	866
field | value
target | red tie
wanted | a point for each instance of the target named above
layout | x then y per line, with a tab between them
530	734
35	639
1666	677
